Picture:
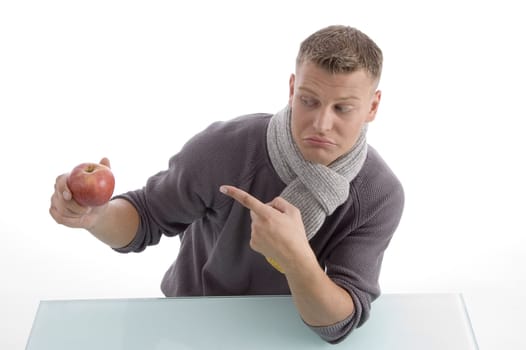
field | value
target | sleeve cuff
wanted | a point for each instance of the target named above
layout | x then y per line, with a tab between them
133	246
334	333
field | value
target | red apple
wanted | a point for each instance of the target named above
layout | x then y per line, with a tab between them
91	184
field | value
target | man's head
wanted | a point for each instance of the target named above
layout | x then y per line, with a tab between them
341	49
334	91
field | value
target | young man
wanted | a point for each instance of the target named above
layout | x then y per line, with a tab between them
292	203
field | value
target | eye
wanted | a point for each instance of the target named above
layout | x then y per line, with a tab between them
343	108
308	101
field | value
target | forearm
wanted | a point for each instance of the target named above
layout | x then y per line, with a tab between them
117	224
319	300
278	233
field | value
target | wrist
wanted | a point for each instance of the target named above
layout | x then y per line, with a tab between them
302	262
96	223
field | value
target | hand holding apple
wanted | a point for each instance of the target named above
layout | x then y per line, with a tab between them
91	184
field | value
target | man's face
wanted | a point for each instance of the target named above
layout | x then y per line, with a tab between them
329	110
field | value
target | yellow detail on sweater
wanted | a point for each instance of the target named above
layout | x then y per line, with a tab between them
274	264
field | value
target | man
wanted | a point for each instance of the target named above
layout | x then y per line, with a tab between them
295	202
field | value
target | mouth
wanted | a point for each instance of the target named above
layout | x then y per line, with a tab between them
319	141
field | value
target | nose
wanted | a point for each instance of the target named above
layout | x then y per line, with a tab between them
323	120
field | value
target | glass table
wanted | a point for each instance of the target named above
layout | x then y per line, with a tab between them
398	321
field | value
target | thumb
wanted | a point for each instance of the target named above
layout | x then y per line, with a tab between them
105	161
281	205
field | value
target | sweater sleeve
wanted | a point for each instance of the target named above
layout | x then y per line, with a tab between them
185	192
355	263
333	333
166	205
188	190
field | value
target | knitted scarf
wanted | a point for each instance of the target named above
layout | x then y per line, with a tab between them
315	189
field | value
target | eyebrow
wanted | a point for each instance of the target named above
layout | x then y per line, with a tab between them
301	88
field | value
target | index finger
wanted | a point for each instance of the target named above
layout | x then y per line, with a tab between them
245	199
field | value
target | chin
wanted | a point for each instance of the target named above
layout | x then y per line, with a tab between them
318	159
319	155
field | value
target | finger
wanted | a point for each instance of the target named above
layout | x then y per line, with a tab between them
245	199
66	194
105	161
65	220
61	185
68	209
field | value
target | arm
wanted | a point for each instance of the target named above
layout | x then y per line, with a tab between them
278	233
319	300
117	224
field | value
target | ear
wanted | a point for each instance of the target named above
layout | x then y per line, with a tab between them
291	88
375	102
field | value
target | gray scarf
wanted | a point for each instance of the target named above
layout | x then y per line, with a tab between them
315	189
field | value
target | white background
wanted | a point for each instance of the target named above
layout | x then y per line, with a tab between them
133	80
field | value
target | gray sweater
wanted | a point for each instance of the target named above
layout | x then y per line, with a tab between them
214	256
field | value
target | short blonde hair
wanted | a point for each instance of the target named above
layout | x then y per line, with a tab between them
342	49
